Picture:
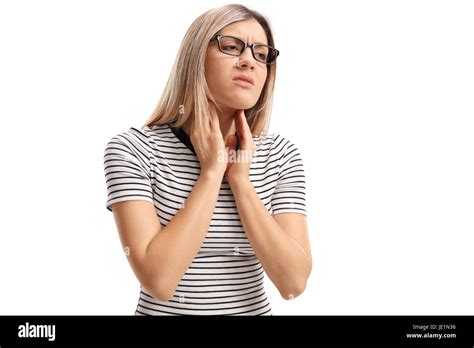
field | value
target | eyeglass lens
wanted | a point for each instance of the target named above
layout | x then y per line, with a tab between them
235	47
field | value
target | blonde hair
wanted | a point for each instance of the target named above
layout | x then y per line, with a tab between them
186	91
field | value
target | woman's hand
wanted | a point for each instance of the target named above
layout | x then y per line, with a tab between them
238	168
215	160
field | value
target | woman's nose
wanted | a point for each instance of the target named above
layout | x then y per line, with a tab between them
246	58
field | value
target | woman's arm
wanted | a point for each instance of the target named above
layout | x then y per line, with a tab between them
160	256
280	242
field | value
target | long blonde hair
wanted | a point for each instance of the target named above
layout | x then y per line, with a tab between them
186	91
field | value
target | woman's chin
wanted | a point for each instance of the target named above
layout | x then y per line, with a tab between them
244	104
237	102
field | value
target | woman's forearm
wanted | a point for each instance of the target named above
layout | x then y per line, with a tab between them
173	249
283	259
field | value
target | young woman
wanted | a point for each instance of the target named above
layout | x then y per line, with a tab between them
204	200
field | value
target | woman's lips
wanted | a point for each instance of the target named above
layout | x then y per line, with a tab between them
242	83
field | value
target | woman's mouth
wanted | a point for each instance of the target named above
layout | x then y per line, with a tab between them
242	83
243	80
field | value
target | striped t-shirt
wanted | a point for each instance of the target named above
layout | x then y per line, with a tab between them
158	164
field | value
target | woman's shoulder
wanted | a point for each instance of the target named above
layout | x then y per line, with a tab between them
141	137
274	143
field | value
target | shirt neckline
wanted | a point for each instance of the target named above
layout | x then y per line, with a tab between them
184	138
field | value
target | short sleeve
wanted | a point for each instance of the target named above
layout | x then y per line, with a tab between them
290	191
127	169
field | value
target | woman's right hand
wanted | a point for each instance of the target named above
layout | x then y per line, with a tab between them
215	160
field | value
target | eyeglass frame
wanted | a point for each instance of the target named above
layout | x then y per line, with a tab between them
246	44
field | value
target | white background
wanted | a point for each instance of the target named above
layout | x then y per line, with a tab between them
377	95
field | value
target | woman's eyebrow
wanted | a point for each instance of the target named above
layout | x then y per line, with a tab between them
240	37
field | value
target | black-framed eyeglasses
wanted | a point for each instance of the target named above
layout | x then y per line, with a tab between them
235	47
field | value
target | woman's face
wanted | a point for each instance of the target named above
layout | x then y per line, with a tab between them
221	69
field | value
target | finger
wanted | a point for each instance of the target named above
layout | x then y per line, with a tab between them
231	142
243	130
232	129
214	118
208	125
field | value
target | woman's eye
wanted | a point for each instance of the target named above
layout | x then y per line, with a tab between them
230	47
262	56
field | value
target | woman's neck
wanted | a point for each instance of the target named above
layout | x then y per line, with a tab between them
226	123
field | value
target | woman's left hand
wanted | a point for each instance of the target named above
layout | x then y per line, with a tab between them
238	168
